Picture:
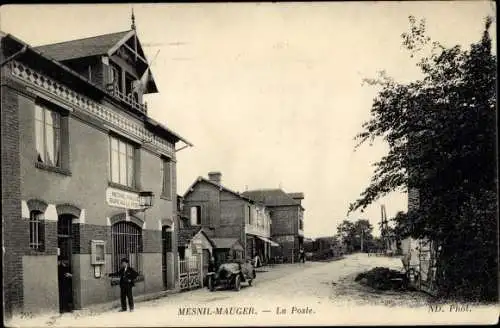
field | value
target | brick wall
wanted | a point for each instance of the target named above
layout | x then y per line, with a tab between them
11	200
284	220
84	188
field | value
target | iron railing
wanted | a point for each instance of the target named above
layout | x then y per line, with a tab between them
128	98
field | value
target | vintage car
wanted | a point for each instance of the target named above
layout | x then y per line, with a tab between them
231	275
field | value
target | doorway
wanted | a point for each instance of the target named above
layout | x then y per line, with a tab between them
64	254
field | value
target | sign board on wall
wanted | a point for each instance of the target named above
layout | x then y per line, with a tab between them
123	199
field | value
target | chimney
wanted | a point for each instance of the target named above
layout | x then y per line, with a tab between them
215	177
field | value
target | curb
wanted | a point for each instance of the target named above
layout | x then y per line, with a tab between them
103	307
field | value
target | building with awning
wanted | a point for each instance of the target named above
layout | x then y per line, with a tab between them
269	241
287	215
228	216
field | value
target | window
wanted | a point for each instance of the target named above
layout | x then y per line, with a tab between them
167	178
37	231
195	215
127	243
129	81
122	162
48	136
115	78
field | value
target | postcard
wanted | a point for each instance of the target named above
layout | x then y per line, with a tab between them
249	164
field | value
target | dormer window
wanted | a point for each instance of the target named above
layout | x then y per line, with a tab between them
115	78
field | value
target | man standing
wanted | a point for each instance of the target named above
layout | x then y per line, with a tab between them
302	255
127	281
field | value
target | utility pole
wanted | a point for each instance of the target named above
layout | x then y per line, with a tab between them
362	236
384	227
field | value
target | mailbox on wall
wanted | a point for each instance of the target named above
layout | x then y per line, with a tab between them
97	252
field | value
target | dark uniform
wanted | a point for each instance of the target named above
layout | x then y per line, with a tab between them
127	281
302	256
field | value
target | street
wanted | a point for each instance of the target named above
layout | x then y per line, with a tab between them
282	293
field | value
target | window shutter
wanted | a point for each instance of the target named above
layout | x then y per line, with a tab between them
199	215
41	235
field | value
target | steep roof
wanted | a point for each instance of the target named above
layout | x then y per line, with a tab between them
227	243
218	186
271	197
76	79
91	46
186	234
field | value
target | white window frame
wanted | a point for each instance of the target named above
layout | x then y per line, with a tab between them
126	172
36	222
195	219
44	130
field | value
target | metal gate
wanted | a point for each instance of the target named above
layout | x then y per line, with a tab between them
190	272
427	255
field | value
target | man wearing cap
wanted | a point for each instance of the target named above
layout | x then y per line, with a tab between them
127	278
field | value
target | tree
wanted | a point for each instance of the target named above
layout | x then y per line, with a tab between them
345	231
441	132
352	233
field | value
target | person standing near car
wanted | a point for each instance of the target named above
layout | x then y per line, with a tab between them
302	255
127	280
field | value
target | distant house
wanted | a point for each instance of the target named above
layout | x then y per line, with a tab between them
328	243
238	226
287	216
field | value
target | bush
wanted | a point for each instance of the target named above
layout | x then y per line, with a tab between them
383	279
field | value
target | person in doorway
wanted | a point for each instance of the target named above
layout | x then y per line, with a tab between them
127	280
302	255
65	288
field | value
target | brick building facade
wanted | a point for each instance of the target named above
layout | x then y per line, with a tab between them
287	216
224	213
78	151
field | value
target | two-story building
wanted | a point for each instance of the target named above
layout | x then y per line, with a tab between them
287	216
231	220
88	177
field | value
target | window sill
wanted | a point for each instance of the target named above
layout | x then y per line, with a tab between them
51	168
122	187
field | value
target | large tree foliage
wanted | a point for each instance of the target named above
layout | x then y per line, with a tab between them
441	132
351	234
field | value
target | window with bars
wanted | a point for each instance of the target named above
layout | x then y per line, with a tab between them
122	162
37	231
48	135
127	243
167	178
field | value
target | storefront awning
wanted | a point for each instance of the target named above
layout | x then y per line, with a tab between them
274	244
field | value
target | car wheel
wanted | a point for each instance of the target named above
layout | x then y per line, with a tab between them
237	283
211	286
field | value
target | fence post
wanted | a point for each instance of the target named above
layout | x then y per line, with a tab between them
200	268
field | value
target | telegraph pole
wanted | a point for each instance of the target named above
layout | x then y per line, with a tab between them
362	236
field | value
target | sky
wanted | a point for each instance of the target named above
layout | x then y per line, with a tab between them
270	95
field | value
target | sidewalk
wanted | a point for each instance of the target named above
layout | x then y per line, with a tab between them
49	318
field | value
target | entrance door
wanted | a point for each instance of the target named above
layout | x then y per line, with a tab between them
64	263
